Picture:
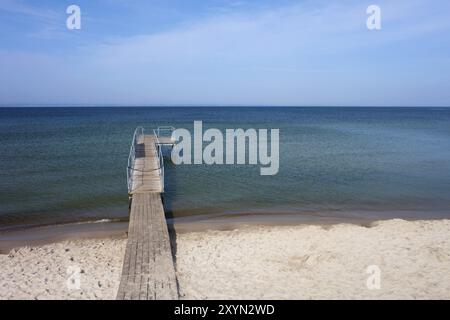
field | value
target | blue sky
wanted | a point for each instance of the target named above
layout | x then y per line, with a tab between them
216	52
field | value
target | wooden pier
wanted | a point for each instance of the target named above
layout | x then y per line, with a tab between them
148	271
146	171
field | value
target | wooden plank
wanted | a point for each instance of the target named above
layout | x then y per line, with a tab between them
148	271
146	175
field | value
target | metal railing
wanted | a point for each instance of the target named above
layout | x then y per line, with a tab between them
160	133
138	133
161	164
164	131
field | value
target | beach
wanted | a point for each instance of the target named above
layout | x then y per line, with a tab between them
43	272
412	259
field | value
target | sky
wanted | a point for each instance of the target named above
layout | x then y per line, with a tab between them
217	52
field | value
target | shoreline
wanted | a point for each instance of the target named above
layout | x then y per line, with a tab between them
102	229
51	234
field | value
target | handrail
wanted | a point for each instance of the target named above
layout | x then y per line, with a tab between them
161	166
132	156
164	128
160	156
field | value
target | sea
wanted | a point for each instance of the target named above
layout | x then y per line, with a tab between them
62	165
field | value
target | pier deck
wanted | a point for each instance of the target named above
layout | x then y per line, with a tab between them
148	271
146	169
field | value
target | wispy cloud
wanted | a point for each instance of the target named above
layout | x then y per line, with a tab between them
36	12
296	36
45	23
312	52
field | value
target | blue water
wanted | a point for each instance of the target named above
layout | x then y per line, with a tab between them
60	165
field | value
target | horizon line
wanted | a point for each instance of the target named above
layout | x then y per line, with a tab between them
5	106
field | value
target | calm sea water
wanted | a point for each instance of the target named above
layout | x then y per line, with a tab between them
60	165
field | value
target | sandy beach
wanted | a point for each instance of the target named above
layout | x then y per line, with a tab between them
44	272
265	262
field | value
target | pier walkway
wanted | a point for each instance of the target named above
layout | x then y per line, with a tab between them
148	271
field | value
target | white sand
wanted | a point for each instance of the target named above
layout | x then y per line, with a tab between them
41	273
298	262
312	262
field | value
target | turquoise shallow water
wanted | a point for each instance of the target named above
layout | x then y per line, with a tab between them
61	165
